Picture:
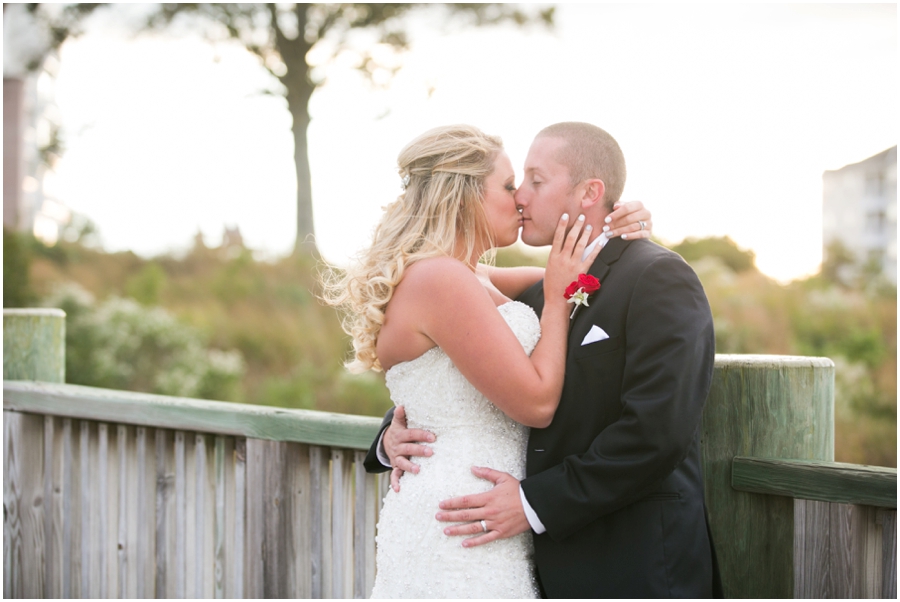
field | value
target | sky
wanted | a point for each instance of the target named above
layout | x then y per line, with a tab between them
727	114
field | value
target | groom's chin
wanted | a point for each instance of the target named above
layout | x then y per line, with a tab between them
532	239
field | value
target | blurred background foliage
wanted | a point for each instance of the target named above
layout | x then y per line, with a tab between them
218	324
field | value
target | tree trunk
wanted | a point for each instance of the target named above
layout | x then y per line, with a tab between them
299	91
13	124
306	241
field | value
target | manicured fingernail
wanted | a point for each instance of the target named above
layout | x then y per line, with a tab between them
581	218
608	219
565	216
625	236
606	228
588	228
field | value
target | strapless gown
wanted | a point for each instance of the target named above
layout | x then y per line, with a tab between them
414	558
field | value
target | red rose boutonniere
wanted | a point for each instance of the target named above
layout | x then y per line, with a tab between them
579	291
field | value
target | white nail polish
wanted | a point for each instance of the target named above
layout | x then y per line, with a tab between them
581	218
588	228
608	219
606	228
565	216
625	236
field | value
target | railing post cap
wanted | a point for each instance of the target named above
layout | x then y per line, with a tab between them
35	311
771	361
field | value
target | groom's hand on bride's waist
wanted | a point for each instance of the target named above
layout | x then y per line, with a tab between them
401	443
495	514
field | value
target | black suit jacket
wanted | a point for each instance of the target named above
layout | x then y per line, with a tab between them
616	477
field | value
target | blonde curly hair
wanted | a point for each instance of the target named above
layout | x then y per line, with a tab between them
443	172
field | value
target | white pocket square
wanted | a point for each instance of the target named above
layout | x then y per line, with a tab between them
596	334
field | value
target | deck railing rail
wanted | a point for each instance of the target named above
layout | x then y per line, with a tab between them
121	494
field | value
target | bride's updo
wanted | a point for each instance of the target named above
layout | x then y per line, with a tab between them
443	173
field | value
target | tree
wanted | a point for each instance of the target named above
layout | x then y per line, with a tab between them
287	37
724	248
31	32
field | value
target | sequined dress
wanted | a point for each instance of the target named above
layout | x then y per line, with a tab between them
414	558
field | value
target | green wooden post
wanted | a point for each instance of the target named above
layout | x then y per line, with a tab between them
763	407
34	345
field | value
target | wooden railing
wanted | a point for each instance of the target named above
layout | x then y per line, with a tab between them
121	494
148	496
845	531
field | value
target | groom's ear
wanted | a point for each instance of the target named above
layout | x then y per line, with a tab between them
593	193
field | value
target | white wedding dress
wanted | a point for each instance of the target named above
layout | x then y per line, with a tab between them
413	556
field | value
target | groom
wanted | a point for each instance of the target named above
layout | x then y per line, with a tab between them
614	491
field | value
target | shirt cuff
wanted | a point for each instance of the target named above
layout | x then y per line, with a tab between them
380	453
536	525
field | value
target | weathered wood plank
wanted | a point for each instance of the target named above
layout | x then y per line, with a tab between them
160	515
372	507
75	523
299	485
866	536
240	519
220	537
144	409
338	553
318	488
103	503
837	551
67	494
889	554
255	525
143	535
277	519
180	516
9	507
122	531
86	495
822	481
359	526
24	505
200	514
51	556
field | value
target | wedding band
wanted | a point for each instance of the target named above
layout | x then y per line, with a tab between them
484	526
643	225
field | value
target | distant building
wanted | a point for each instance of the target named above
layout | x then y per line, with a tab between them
232	242
860	212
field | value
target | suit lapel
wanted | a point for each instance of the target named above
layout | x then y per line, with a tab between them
600	268
610	254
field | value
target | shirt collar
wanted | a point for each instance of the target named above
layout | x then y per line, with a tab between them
601	240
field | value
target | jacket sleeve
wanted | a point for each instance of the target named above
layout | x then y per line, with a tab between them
669	357
372	463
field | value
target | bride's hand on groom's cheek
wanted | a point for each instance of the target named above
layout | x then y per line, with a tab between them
495	514
402	443
629	220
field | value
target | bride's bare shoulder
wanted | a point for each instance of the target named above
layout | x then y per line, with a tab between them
438	273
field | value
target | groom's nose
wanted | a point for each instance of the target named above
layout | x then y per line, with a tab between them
519	197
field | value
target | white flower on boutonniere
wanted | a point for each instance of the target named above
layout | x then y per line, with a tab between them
579	291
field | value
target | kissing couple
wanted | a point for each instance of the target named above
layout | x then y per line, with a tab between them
545	438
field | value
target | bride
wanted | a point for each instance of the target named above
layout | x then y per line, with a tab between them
467	362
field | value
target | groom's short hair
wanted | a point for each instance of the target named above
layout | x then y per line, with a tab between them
590	152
